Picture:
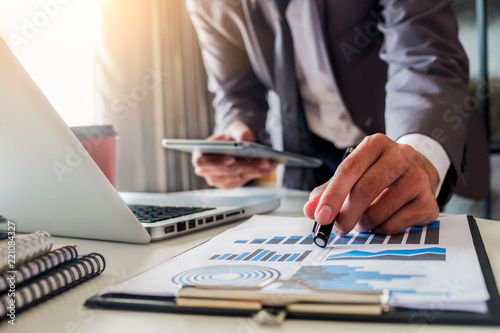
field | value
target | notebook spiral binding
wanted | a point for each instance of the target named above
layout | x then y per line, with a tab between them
54	282
40	265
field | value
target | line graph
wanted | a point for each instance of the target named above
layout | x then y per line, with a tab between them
433	253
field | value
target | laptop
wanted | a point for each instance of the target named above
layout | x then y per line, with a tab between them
49	182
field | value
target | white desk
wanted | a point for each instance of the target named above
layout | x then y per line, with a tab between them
66	313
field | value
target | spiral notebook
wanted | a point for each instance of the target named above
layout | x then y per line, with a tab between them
38	266
51	283
33	270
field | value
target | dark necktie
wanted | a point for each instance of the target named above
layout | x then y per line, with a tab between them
294	126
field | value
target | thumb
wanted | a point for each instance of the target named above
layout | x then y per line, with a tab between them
241	132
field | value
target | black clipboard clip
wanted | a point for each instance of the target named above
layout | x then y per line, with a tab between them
271	307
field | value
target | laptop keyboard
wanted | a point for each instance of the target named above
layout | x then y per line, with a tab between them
150	214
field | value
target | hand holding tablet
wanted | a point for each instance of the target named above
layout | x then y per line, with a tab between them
243	150
232	159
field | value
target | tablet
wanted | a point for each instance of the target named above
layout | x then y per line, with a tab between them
242	149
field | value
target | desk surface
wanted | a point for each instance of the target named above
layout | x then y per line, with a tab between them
66	313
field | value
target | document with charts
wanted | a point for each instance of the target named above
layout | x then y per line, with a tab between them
431	267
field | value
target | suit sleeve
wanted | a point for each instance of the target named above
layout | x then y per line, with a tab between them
239	94
427	75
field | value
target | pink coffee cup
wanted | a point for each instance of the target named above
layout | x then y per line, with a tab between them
100	143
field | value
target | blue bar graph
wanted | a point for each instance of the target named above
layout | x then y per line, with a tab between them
258	241
361	239
275	257
308	240
351	277
414	235
276	240
378	239
293	240
268	256
224	256
241	256
432	234
284	257
262	255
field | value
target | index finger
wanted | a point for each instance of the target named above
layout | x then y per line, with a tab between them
347	175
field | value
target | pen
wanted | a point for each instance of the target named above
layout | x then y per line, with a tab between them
322	232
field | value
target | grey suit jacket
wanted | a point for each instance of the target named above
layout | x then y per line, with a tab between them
398	67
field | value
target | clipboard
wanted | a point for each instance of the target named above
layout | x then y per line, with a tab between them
363	310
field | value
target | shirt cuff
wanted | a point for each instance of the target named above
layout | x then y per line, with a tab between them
432	150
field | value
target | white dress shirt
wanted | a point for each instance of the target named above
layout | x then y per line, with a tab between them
324	108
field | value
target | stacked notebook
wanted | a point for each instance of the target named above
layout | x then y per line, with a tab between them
32	270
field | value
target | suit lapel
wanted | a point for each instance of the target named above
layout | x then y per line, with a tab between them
261	53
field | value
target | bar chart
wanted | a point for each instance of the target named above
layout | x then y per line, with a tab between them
278	240
351	278
262	255
426	235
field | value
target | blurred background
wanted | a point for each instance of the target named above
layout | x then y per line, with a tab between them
136	65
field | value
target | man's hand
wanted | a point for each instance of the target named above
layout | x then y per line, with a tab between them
227	171
383	186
